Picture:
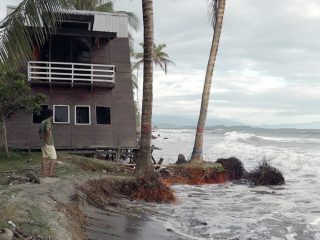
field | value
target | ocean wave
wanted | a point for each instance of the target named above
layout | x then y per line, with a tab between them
251	137
232	211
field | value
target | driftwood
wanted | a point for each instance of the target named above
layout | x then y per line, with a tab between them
18	234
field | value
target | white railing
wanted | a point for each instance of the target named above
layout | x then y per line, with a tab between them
70	73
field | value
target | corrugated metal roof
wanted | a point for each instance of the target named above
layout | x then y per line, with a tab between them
103	22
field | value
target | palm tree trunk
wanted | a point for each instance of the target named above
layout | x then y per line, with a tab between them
143	162
197	154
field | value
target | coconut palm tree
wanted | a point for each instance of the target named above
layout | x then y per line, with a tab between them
216	10
160	58
143	162
17	41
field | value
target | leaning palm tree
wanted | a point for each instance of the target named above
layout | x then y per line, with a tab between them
143	162
17	40
216	8
160	58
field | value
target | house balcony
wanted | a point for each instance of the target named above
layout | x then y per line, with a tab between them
72	74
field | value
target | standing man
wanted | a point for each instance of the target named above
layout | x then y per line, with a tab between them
49	155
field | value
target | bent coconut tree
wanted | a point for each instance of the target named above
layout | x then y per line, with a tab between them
143	162
217	8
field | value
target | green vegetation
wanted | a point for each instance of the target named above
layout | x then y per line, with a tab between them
69	164
19	161
99	166
15	96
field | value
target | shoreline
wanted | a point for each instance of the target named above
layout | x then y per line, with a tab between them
101	224
52	208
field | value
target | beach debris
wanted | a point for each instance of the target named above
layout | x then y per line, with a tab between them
233	167
6	234
265	174
28	176
33	178
12	224
181	159
164	172
160	161
19	234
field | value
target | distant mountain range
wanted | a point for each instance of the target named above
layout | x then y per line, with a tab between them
167	121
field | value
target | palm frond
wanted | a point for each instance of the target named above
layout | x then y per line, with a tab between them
27	26
160	58
213	11
133	20
104	6
137	64
84	4
134	81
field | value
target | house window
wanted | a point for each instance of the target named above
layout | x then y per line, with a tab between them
61	114
82	115
103	115
38	118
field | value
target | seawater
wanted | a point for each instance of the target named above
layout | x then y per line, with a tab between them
239	211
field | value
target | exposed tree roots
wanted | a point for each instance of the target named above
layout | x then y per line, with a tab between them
104	192
265	174
149	189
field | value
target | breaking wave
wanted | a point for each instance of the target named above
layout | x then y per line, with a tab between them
232	211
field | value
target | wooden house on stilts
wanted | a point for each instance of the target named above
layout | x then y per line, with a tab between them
85	72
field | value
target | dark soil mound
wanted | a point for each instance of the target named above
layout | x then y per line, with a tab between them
195	175
233	167
265	174
181	159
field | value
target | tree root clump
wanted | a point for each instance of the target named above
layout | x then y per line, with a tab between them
148	189
195	175
233	167
105	192
265	174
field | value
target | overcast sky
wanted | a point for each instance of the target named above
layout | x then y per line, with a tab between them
268	65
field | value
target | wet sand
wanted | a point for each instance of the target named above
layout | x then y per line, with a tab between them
103	225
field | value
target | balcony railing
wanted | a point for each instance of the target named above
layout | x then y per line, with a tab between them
71	73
